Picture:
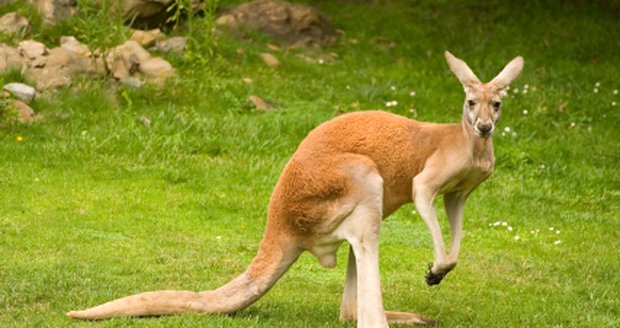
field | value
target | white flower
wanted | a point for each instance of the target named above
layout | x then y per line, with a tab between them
532	232
524	91
321	61
613	104
517	237
504	223
557	242
218	237
525	112
597	84
557	232
496	223
551	229
392	88
526	86
507	129
615	91
412	93
515	91
595	90
509	228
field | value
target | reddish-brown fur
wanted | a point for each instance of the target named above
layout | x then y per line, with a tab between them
317	163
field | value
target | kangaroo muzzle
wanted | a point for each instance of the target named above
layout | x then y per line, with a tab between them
484	129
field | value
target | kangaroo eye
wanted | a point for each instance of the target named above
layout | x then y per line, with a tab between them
497	105
471	103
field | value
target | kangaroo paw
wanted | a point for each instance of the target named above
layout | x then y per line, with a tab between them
433	278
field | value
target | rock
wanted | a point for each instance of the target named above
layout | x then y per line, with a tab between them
31	50
130	58
125	59
25	113
58	66
273	47
270	60
62	66
157	68
9	58
132	82
53	11
289	23
146	38
131	49
21	91
154	13
175	44
70	61
48	78
146	121
148	13
259	103
72	44
229	21
14	23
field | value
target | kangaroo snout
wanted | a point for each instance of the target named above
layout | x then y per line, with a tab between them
485	129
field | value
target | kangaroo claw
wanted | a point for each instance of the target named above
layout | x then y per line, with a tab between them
433	278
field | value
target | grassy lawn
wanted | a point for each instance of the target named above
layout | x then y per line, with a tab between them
95	205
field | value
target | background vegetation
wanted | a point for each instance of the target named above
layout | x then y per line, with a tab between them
95	205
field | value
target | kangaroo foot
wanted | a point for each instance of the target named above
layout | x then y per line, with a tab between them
407	318
433	278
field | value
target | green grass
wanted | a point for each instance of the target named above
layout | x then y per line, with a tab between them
94	205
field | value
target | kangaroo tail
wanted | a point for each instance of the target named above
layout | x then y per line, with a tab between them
275	255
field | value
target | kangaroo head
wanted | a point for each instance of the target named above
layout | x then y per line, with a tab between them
483	101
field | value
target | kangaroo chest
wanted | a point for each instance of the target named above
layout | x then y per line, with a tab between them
468	178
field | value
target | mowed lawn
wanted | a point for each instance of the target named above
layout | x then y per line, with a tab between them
96	205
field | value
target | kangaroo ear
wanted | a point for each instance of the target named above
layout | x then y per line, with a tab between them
462	71
508	74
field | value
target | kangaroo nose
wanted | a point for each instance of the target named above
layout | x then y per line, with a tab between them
484	129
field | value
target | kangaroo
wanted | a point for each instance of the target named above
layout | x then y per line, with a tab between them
347	175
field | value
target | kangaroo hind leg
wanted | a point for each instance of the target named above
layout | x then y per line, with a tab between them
348	307
362	297
361	229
